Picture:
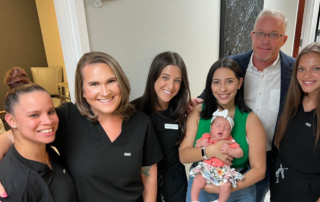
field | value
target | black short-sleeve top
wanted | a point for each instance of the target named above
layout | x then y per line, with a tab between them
168	133
31	181
297	147
103	170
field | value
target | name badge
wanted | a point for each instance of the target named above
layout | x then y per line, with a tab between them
127	154
171	126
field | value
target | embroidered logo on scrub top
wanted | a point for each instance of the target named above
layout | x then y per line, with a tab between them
308	124
171	126
127	154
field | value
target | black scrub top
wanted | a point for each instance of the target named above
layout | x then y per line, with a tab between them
168	134
31	181
103	170
297	147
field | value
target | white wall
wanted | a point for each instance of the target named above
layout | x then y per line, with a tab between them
290	9
134	32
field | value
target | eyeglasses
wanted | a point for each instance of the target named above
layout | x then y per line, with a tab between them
261	35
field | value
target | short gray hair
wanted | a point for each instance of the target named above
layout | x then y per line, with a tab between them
273	13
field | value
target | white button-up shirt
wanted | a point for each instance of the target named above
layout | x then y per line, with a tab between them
262	95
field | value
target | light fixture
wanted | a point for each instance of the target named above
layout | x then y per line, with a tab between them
98	3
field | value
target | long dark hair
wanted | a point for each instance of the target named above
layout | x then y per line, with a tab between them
294	97
210	102
179	103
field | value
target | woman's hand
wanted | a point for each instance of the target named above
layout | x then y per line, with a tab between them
214	150
225	149
202	143
193	103
211	188
3	193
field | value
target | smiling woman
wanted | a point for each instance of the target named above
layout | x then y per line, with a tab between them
102	134
31	164
100	88
297	137
224	87
224	90
110	149
308	73
165	100
167	85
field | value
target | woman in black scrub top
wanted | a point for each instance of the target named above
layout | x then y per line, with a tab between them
110	150
165	100
296	168
31	171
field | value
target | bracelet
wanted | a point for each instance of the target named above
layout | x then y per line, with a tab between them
203	153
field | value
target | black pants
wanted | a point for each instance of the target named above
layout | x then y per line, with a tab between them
295	186
172	184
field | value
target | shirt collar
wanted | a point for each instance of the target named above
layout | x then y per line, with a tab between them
301	108
42	169
272	66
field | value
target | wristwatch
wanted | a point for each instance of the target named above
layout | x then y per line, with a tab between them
203	153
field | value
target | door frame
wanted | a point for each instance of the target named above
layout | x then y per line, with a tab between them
310	18
74	36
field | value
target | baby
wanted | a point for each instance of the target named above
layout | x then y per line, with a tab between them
214	170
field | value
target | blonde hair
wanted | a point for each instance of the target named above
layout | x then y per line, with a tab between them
125	109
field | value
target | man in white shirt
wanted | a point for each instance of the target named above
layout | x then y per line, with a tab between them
267	73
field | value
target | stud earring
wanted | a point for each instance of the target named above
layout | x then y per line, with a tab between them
13	127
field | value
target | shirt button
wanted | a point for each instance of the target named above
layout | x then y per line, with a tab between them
259	93
257	110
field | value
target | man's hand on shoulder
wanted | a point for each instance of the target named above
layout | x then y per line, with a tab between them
194	102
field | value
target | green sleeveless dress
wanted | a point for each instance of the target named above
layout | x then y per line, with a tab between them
238	133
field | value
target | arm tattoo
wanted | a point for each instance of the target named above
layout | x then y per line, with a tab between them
145	170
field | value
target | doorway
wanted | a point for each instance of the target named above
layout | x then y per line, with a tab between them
307	27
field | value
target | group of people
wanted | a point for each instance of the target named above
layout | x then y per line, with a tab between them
255	126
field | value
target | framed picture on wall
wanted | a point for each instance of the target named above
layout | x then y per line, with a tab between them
236	22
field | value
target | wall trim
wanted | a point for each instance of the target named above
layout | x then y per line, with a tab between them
73	34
